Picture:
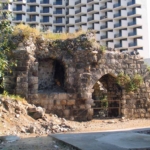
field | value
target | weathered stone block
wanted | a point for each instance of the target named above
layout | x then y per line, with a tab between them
33	80
63	102
70	102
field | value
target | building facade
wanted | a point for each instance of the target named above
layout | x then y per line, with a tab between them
119	24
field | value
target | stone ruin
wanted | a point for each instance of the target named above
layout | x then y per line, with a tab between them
71	81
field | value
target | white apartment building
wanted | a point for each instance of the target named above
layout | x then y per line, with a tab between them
119	24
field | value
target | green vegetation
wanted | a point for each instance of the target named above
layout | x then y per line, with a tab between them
28	31
6	44
104	101
13	97
128	83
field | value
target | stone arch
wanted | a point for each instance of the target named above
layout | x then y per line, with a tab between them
51	74
95	76
107	97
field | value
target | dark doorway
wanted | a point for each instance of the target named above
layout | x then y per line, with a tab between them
107	95
51	75
59	75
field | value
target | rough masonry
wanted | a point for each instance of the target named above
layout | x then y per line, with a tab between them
72	79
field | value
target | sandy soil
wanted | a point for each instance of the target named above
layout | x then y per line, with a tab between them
34	142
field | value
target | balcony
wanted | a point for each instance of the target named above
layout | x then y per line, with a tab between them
121	4
88	1
90	18
132	44
117	25
58	21
107	26
58	12
117	15
133	3
70	12
103	17
31	1
138	43
103	7
118	45
136	12
90	9
118	35
135	23
104	37
77	20
131	12
77	11
17	19
45	20
58	30
120	14
19	1
77	2
58	3
131	23
44	2
107	6
132	33
107	16
31	10
103	26
5	7
116	5
70	21
31	19
136	33
90	28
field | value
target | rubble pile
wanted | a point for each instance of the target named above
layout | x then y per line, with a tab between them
23	118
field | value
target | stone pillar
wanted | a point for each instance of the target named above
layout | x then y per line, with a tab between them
123	105
21	70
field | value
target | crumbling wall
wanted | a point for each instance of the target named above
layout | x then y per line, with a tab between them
84	65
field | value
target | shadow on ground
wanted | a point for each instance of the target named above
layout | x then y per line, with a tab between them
136	139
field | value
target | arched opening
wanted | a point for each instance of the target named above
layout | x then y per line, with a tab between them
107	95
59	75
51	75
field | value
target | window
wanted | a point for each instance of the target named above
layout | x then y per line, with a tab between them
32	8
18	7
45	9
45	18
59	2
32	17
59	20
58	10
59	28
18	16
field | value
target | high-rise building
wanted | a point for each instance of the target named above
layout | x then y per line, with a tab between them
119	24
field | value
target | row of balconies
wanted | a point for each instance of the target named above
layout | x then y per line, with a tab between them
36	10
37	19
42	2
106	25
107	5
122	44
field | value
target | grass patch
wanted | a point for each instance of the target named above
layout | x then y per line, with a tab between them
14	97
28	31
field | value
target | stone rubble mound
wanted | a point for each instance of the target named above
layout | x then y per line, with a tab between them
23	118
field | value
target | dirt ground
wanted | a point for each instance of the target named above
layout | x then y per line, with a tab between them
34	134
34	142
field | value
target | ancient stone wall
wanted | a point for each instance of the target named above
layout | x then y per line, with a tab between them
70	96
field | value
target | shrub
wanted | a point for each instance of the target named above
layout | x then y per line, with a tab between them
128	83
